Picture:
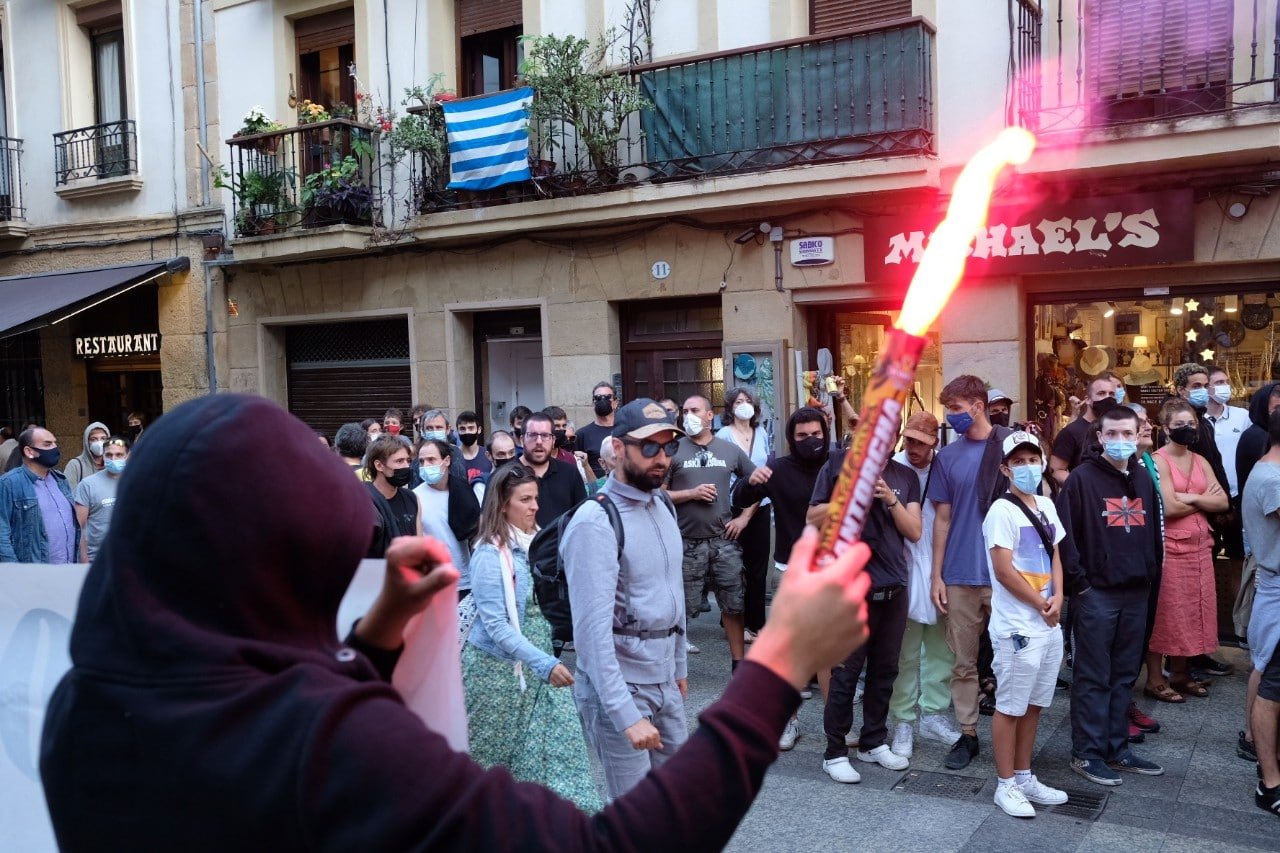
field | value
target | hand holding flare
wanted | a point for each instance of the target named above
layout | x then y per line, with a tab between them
894	373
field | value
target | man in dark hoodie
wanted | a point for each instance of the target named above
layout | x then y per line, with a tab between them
211	705
1110	558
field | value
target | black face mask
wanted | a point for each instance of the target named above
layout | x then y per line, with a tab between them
603	407
499	464
562	437
399	477
518	432
1185	435
1101	407
810	449
999	419
468	439
135	431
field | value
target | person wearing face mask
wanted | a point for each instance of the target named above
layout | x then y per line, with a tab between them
745	431
1110	558
134	426
435	426
95	497
37	520
788	482
999	407
517	418
449	510
604	402
1076	437
564	445
397	510
471	447
89	462
502	450
392	421
1186	622
1191	383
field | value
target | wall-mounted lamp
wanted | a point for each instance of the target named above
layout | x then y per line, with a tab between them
1231	304
1111	310
1176	308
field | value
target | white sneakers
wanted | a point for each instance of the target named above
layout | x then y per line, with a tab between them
841	770
1015	800
1014	803
885	757
938	727
789	735
902	740
690	648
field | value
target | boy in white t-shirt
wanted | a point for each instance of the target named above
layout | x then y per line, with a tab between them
1026	601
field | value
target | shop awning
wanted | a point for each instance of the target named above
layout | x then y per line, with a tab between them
34	301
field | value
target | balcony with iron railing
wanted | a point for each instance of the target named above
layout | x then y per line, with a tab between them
306	177
1109	64
821	99
98	159
13	214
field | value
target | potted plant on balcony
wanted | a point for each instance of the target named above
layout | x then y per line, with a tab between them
256	122
574	88
421	134
339	192
262	199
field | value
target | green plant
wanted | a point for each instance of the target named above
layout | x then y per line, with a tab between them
262	198
310	112
422	131
574	87
339	191
257	121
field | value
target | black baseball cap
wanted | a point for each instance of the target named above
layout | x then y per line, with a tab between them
642	418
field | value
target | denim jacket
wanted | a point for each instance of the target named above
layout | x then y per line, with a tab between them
492	631
22	536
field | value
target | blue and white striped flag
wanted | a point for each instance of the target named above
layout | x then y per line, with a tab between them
488	139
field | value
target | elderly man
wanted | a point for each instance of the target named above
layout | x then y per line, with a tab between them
37	519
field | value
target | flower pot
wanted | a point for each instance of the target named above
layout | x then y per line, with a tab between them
268	146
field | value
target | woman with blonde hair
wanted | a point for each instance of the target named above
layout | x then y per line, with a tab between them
517	714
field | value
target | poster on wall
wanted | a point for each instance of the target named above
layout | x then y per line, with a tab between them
759	368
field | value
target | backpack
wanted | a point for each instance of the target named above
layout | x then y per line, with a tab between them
546	564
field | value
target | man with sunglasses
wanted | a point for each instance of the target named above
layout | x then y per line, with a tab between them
629	613
604	402
560	487
698	482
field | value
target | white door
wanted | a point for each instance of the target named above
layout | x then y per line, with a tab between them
515	378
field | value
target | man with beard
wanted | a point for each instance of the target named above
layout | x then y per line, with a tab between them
789	482
560	487
628	611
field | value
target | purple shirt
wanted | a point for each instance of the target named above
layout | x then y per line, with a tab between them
59	519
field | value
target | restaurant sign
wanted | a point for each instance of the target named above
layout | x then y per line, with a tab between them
97	346
1136	229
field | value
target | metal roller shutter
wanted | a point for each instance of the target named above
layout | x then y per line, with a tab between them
483	16
826	16
342	372
1145	47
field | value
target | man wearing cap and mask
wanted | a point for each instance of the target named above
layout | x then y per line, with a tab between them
999	407
37	520
629	612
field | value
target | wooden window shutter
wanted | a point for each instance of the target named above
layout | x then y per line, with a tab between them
332	29
1144	47
827	16
483	16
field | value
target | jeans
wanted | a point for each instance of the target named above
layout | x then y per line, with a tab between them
624	766
924	671
968	609
1108	628
886	620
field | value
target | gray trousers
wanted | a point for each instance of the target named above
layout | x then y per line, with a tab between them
624	766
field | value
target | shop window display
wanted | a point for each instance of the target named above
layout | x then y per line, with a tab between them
1143	340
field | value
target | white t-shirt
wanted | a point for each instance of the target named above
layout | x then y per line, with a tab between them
435	502
1227	429
920	556
1006	526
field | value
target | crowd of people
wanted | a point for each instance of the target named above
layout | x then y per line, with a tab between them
998	565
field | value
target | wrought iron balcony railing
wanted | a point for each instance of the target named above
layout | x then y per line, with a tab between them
309	176
861	93
11	206
1111	62
92	153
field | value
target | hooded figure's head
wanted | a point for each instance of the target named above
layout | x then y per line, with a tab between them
1261	404
808	451
234	537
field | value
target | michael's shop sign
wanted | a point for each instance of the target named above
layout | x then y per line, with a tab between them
1137	229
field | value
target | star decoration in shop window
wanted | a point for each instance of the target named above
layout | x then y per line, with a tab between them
1193	305
1206	354
1193	335
1207	319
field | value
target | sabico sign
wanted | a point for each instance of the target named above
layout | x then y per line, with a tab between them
96	346
1136	229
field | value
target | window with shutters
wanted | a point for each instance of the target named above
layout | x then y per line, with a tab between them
828	16
1157	58
489	44
326	51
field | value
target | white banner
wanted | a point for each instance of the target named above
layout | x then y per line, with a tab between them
37	608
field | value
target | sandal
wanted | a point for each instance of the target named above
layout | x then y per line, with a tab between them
1191	688
1164	693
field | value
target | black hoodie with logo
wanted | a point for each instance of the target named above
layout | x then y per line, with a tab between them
1113	525
211	706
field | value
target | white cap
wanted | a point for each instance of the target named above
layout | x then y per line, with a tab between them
1017	439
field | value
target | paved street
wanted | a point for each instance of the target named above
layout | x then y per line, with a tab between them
1204	802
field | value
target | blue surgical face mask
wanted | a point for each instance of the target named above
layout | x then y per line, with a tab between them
435	435
114	466
960	421
1027	477
1120	395
1198	397
1120	449
432	474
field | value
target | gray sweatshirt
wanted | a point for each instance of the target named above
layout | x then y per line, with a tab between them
646	594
